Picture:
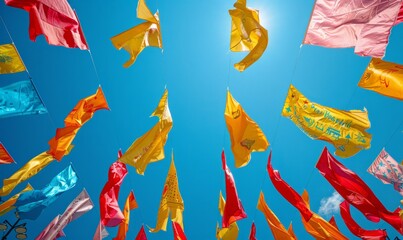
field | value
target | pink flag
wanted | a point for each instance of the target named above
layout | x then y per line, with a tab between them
101	232
386	169
364	25
5	157
50	226
399	18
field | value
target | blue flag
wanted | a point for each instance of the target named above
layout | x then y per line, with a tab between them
20	98
30	204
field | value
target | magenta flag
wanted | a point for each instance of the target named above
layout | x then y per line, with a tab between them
364	25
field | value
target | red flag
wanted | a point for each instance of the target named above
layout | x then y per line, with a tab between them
233	210
54	19
333	222
356	229
5	157
179	234
141	235
354	190
288	192
252	235
111	215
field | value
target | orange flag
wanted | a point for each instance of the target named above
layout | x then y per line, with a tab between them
5	157
131	204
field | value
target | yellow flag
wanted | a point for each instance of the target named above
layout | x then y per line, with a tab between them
383	77
150	147
247	34
230	233
171	201
246	136
130	204
143	35
278	230
344	129
10	61
8	205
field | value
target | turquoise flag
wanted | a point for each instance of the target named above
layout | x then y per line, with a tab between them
20	98
30	204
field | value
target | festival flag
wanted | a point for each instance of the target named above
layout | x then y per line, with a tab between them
356	229
30	169
101	232
130	204
142	234
8	205
229	233
30	204
150	147
55	20
233	210
252	235
171	201
277	229
81	113
10	61
5	157
79	206
111	215
399	18
383	77
343	129
354	190
360	24
146	34
386	169
246	136
179	234
20	98
247	35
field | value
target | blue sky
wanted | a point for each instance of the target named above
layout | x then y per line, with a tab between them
196	67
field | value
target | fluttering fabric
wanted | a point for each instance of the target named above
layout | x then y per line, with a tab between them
343	129
55	20
30	204
179	234
233	210
386	169
20	98
79	206
100	232
8	205
141	235
355	191
171	201
229	233
383	77
356	229
146	34
364	25
81	113
5	157
252	235
247	35
10	61
130	204
277	229
246	136
150	147
399	18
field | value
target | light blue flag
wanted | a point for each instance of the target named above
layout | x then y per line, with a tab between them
30	204
20	98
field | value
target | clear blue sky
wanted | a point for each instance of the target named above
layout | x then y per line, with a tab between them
195	67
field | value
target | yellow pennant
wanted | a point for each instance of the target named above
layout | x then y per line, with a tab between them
130	204
10	61
344	129
246	136
143	35
247	34
383	77
230	233
171	201
8	205
150	147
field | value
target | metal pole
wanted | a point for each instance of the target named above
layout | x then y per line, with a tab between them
12	227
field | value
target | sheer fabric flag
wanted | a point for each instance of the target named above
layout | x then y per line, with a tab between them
252	235
229	233
356	229
8	205
386	169
5	157
383	77
50	226
10	61
141	235
81	113
101	232
124	225
277	229
233	210
343	129
179	234
355	191
146	34
171	201
247	35
246	136
30	204
150	147
20	98
360	24
55	20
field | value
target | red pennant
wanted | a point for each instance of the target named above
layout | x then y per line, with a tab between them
179	234
5	157
142	234
252	235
